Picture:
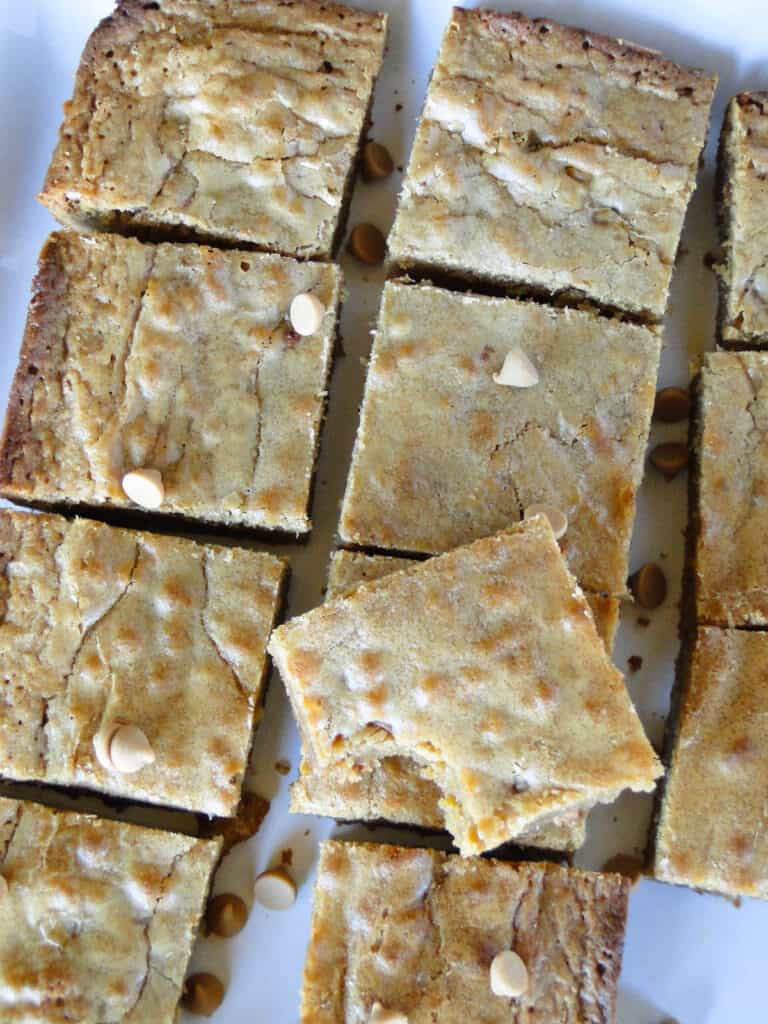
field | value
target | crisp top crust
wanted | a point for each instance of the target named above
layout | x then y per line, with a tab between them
712	827
393	789
177	357
495	636
731	560
444	454
99	918
231	119
745	271
541	139
416	931
100	625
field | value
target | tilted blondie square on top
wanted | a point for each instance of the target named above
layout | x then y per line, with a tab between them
232	120
416	931
445	454
743	215
101	629
711	832
553	159
484	667
730	517
98	918
393	789
177	358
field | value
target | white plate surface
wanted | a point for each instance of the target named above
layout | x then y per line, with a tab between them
694	957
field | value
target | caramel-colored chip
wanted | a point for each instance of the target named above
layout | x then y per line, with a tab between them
377	162
672	405
648	586
250	814
366	243
670	458
203	994
226	915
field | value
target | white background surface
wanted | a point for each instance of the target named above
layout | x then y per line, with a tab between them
694	957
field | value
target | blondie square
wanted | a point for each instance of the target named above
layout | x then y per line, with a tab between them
484	667
743	214
103	629
98	918
221	120
445	454
393	789
730	513
176	358
416	931
552	159
711	832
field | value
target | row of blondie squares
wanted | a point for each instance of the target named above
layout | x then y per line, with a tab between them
546	159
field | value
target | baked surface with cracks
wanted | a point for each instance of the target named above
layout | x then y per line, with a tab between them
101	625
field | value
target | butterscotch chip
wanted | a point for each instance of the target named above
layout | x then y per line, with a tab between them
670	458
377	162
648	586
275	889
203	994
672	405
226	915
366	243
509	975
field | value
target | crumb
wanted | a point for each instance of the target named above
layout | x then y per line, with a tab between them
286	857
306	831
486	352
635	663
625	864
643	621
283	766
398	107
252	811
400	168
291	337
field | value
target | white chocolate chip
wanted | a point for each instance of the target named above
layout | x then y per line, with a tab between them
306	313
379	1015
275	889
518	371
509	975
144	487
101	742
557	520
129	750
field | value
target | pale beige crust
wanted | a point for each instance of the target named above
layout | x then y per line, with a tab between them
555	159
229	120
444	454
102	625
416	931
177	357
393	789
730	558
99	919
495	636
744	222
711	832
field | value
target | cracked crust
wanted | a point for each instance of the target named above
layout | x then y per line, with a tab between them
99	919
416	931
711	832
541	139
178	357
444	454
730	558
495	636
100	625
743	215
221	120
393	790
